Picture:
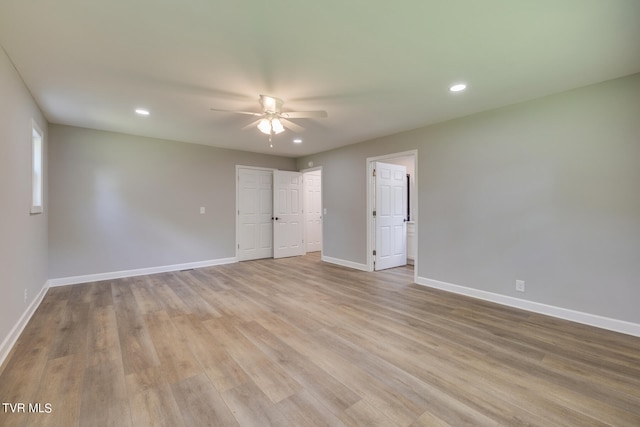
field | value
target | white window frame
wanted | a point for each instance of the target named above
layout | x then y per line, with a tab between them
37	168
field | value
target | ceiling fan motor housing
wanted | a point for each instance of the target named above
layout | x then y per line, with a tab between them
270	104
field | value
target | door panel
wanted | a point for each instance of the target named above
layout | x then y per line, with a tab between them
288	218
255	207
313	210
390	197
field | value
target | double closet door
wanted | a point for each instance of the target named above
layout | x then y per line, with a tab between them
270	217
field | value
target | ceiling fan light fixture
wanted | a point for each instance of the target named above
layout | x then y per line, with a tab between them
264	126
277	126
267	126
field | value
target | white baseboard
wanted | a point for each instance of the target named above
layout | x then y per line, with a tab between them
345	263
536	307
14	334
64	281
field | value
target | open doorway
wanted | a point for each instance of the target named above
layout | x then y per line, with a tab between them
402	231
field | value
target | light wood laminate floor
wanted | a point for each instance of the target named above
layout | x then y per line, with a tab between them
298	342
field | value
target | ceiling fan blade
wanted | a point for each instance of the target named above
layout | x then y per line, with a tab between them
237	112
303	114
251	125
289	124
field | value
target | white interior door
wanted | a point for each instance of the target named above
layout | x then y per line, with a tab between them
255	209
391	230
313	210
287	212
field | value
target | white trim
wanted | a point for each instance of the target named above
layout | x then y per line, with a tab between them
345	263
313	169
536	307
64	281
10	340
39	178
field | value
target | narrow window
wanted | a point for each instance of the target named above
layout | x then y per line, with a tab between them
36	168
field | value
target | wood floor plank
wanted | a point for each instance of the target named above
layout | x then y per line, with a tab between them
326	389
153	406
176	359
196	305
102	330
104	400
427	419
138	351
60	393
201	404
304	409
296	341
71	336
164	290
24	371
272	380
145	297
99	294
223	371
251	407
364	413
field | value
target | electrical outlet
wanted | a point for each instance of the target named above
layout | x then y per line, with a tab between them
25	295
202	210
520	285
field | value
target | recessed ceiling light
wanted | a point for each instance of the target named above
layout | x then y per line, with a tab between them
297	141
142	111
458	87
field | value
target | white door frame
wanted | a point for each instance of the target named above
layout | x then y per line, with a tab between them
371	161
237	211
317	168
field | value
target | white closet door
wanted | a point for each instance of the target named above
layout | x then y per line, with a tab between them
255	208
313	210
391	230
287	212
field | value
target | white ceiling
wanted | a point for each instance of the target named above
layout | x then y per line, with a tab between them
377	67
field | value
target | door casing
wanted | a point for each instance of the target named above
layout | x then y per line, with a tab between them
370	165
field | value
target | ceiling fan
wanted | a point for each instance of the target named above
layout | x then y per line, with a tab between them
272	120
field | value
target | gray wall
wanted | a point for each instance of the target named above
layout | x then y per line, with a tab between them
545	191
122	202
23	237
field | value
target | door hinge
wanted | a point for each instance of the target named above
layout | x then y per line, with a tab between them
374	252
374	172
374	213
